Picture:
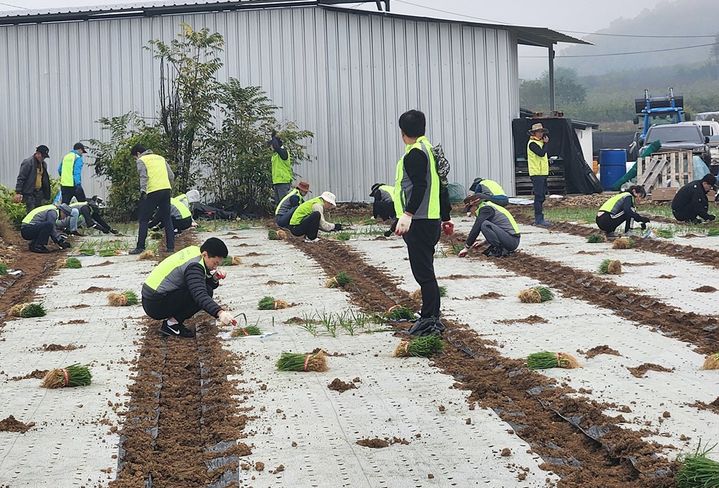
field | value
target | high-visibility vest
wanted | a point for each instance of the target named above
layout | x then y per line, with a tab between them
506	214
157	177
387	191
493	188
67	177
281	169
429	208
538	165
31	215
169	275
614	204
304	210
180	207
284	204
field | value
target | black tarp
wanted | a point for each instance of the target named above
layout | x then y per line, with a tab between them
563	142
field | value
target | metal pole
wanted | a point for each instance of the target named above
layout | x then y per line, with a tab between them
551	78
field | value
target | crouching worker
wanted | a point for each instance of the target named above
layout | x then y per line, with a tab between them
497	226
180	214
91	217
40	224
183	284
289	203
484	189
691	202
309	217
621	209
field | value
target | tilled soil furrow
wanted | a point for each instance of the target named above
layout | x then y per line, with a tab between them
559	428
691	327
699	255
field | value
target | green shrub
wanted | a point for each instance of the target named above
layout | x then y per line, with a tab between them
14	211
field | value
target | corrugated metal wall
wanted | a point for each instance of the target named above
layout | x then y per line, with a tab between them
345	76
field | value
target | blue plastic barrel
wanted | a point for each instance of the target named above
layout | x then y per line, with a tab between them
612	166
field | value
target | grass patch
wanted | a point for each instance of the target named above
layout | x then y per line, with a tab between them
343	236
664	233
595	239
3	268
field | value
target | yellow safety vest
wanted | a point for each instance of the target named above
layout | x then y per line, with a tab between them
28	218
157	177
505	212
281	169
429	208
181	207
291	193
169	274
304	210
538	165
67	177
609	205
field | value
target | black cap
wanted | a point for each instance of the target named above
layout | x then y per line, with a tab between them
375	187
43	150
79	146
710	179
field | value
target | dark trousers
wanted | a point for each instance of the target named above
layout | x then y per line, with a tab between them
498	237
281	189
33	200
157	200
539	188
607	223
309	226
685	214
283	220
178	224
93	218
72	191
37	234
178	304
384	210
421	239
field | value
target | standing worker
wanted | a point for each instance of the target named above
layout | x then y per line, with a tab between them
70	171
281	168
420	202
289	203
691	200
156	178
33	182
538	163
621	209
309	217
183	284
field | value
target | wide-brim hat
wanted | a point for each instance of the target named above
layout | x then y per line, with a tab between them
329	197
303	186
538	127
374	188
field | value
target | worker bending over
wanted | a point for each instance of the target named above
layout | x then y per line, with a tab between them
289	203
40	224
498	227
691	202
90	217
309	217
484	189
179	213
621	209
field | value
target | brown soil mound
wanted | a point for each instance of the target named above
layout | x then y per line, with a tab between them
60	347
74	322
80	305
273	282
101	276
37	374
253	254
295	321
705	289
378	443
545	243
490	295
596	351
641	370
95	289
11	425
666	277
712	407
104	263
340	386
532	319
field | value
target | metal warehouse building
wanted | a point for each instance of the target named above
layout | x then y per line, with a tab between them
347	76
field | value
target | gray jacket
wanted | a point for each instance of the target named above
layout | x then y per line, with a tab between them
51	216
142	171
26	178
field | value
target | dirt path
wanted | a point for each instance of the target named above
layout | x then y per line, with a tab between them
577	441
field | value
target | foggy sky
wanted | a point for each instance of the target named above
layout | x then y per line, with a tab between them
559	15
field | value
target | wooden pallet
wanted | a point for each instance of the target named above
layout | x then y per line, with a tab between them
665	170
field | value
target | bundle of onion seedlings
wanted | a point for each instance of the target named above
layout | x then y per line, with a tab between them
697	470
399	312
423	347
302	362
537	294
231	261
711	361
74	375
123	299
246	331
27	310
73	263
623	243
546	360
610	266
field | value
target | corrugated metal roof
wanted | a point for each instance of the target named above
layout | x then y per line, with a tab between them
534	36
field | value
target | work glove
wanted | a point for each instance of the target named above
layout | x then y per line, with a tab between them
226	318
646	220
448	227
63	244
338	227
17	198
403	224
643	225
710	218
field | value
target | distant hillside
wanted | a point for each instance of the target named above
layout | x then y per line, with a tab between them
680	17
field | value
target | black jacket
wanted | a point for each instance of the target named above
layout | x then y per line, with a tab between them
691	201
26	178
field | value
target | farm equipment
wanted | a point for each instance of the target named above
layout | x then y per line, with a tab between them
658	110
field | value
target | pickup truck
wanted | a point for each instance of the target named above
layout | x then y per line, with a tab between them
680	137
710	129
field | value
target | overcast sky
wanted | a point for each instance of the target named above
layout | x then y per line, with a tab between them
570	17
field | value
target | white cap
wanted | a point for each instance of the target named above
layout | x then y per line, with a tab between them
329	198
193	196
